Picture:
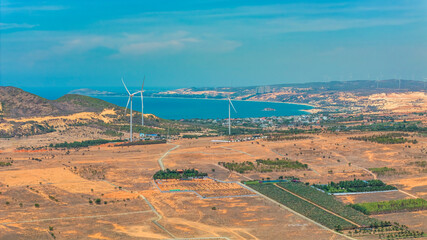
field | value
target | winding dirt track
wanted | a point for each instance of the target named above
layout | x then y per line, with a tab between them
326	210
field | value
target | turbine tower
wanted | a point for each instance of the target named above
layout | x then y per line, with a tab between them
400	82
142	102
230	104
129	100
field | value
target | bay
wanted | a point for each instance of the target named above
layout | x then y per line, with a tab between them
188	108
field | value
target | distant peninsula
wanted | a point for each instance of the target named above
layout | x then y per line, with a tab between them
92	92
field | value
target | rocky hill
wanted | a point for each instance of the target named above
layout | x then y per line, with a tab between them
16	103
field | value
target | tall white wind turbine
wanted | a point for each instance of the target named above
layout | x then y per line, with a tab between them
129	100
142	102
230	104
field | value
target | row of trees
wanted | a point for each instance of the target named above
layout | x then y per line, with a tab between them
264	165
390	127
81	144
383	171
176	174
148	142
355	186
391	138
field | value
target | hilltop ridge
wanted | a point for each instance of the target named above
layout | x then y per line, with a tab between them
16	103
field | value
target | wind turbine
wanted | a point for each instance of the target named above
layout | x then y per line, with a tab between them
400	81
230	104
129	100
142	102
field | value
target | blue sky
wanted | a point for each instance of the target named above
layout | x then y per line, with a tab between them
209	43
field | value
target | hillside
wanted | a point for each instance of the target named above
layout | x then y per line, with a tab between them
16	103
361	87
357	96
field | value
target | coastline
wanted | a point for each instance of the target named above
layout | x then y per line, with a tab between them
218	99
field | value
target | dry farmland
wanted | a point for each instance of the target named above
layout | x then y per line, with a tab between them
55	192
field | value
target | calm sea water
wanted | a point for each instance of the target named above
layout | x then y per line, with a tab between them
183	108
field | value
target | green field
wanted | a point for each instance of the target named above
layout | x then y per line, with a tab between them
303	207
328	202
391	206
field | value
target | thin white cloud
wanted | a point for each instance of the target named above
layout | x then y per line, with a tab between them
13	9
58	45
265	11
4	26
268	20
146	47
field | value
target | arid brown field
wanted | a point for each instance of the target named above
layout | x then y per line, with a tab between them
58	195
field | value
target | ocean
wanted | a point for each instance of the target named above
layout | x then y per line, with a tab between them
186	108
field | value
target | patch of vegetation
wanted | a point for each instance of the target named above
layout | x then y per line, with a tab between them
390	138
191	136
30	128
82	144
279	137
388	231
262	165
5	164
90	103
303	207
383	127
179	174
142	142
327	201
31	148
391	206
421	164
383	171
112	133
53	198
355	186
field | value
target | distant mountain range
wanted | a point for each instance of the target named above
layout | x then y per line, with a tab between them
361	86
355	85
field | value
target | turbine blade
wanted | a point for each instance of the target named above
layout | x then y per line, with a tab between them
232	105
125	86
127	104
143	81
